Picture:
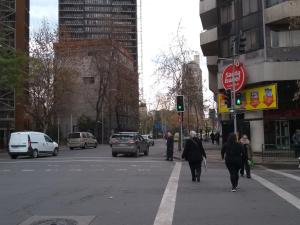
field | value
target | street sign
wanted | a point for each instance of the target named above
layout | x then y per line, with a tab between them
239	76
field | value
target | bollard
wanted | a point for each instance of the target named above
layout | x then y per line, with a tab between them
299	162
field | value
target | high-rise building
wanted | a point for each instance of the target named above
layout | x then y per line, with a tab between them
193	93
100	19
265	36
14	33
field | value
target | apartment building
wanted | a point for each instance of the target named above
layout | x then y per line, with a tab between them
14	33
268	113
101	19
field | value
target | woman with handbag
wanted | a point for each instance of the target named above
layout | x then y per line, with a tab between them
232	151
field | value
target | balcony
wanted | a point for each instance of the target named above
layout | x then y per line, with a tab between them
280	13
209	42
207	5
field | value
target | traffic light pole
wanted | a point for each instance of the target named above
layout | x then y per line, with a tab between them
233	91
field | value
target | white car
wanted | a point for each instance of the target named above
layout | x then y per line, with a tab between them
32	144
81	140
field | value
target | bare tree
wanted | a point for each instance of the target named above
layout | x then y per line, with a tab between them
47	78
169	63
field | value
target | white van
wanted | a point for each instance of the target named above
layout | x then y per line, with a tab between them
32	144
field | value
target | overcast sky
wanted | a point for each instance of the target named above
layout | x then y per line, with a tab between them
160	19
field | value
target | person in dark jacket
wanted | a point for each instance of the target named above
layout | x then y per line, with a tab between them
247	156
194	153
170	146
233	151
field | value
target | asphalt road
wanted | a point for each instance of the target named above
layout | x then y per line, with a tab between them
91	187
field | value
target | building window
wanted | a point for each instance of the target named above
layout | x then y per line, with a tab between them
289	38
227	47
249	6
252	40
227	13
88	80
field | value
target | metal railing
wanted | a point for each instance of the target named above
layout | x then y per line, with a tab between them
279	152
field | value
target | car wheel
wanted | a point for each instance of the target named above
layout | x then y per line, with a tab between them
95	145
84	146
114	154
71	148
13	156
146	152
35	154
55	152
136	154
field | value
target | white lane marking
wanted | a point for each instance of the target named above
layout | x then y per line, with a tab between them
285	174
121	169
75	170
165	212
144	170
82	160
5	170
292	199
48	170
27	170
53	165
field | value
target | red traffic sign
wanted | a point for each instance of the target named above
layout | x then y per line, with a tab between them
239	76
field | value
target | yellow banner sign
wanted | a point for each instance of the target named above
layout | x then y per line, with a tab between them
259	98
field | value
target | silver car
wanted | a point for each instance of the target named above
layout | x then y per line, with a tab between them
133	144
81	140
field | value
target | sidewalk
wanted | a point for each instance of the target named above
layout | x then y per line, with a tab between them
213	153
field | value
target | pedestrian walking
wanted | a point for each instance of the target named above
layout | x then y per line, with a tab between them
232	152
170	146
194	153
246	157
217	138
212	137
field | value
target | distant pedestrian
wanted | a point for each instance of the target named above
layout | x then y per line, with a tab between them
232	151
212	137
170	146
246	157
194	153
217	138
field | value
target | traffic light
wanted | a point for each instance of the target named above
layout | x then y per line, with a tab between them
238	98
179	103
242	43
228	98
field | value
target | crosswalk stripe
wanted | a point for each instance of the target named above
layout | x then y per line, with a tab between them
165	212
285	174
293	200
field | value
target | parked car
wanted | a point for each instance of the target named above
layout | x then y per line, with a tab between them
81	140
149	139
32	144
132	144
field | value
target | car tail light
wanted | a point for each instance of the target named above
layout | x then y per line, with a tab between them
131	142
114	141
29	142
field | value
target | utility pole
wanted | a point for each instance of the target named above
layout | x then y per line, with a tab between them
233	88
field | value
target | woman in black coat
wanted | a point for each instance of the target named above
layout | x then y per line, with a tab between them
194	153
233	152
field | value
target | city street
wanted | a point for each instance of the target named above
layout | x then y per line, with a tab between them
91	187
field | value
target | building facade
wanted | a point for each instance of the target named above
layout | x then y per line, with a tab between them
271	57
14	33
103	88
101	19
193	92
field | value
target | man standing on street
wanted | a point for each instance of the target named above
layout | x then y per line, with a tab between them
194	153
170	146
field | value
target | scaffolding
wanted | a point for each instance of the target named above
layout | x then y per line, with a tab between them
7	40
